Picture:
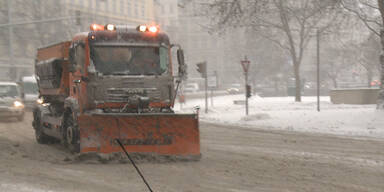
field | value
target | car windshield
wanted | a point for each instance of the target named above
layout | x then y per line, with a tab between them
128	60
30	88
8	91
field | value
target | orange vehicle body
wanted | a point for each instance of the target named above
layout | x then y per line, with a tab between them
89	111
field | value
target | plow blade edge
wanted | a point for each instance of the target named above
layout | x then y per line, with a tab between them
161	134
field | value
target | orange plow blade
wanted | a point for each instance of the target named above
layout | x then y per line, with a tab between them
161	134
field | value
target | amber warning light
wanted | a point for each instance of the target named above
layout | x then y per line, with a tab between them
97	27
111	27
145	28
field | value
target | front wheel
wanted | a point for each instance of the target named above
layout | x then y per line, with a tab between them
72	134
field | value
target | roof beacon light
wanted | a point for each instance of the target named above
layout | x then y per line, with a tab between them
153	29
110	27
142	28
96	27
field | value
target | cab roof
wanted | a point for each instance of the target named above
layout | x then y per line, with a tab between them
8	83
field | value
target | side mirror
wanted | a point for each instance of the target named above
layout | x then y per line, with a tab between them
182	66
180	57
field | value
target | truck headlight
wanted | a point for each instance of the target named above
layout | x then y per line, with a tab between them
18	104
40	101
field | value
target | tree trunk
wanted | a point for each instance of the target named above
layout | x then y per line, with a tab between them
297	82
380	100
369	78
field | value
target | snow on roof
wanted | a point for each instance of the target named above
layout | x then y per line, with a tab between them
8	83
29	79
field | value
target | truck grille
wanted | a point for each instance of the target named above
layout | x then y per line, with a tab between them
125	94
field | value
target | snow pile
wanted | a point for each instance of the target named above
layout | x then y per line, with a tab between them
283	113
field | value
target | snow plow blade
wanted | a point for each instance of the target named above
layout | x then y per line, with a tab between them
155	134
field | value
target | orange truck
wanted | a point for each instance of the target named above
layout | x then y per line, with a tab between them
114	82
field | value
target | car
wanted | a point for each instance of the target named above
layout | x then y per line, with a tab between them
11	101
30	90
191	88
234	89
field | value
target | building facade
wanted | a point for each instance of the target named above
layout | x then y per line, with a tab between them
72	17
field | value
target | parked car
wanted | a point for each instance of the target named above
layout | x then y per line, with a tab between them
191	88
234	89
11	100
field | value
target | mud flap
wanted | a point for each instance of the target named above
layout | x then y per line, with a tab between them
162	134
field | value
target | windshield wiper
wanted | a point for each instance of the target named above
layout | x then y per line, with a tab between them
153	73
122	73
119	73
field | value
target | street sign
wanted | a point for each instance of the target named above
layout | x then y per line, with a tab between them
212	81
245	63
202	69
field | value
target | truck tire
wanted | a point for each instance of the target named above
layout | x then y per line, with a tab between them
41	137
72	134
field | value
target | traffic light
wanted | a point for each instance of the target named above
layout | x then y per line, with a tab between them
202	68
248	91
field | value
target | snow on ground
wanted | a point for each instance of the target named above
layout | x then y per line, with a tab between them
283	113
21	188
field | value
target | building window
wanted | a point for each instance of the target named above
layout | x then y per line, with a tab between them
171	8
106	5
91	4
143	10
122	7
129	8
114	6
136	9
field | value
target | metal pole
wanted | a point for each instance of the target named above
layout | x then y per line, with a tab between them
211	97
206	92
246	98
10	40
318	70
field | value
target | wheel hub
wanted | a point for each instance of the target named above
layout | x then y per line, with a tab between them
70	135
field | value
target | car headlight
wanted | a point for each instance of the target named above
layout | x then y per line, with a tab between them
40	101
18	104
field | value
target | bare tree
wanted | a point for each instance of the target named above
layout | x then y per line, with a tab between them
371	13
369	57
335	62
290	24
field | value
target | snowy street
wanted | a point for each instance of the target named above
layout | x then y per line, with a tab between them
263	155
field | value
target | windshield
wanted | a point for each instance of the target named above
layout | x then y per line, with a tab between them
8	91
124	60
30	88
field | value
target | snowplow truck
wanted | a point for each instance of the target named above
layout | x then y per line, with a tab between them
114	82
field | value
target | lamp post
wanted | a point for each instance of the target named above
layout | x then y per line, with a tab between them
202	69
245	64
318	68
